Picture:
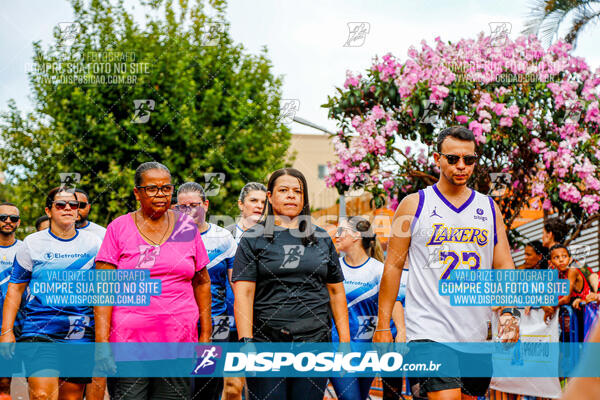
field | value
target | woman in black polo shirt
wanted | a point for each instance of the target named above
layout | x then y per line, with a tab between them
288	284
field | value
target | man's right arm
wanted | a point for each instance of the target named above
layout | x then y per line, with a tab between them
394	263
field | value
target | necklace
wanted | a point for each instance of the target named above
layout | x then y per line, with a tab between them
155	244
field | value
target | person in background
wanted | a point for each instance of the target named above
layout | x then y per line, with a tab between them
10	221
251	203
59	323
332	230
288	283
362	267
536	256
555	232
83	212
42	223
560	258
221	248
169	245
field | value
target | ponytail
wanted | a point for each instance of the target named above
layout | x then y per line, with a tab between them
376	251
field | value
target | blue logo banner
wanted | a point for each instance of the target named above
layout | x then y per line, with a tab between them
415	359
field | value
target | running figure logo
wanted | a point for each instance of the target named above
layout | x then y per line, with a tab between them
499	33
292	256
77	325
220	327
207	359
434	261
434	213
143	108
148	256
366	327
357	33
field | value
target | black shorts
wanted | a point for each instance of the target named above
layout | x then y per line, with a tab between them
46	358
472	386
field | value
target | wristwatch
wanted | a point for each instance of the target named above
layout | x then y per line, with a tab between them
246	340
512	311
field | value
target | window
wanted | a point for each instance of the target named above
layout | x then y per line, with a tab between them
322	171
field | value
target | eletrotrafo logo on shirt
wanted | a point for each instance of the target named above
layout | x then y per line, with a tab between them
50	255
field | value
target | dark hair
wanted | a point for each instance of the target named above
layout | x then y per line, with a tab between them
558	228
52	194
192	187
39	221
458	132
83	192
249	187
560	246
305	227
8	203
540	250
147	166
369	239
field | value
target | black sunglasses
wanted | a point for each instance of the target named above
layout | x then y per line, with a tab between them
13	218
83	204
61	204
453	158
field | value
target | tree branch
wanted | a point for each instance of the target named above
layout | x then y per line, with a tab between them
582	227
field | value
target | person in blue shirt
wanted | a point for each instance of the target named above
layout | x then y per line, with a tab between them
362	266
221	247
59	248
9	222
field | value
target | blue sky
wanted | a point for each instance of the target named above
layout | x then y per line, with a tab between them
304	38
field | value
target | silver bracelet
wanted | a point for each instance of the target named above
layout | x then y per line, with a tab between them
4	333
382	330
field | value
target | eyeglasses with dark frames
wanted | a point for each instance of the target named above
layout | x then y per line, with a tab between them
152	190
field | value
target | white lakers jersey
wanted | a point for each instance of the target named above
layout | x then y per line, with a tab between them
445	238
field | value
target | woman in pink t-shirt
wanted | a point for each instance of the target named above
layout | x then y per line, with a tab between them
169	245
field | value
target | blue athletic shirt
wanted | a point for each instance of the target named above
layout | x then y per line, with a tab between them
43	251
7	259
221	247
361	284
229	296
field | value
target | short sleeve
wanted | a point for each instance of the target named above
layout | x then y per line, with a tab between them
110	250
334	269
245	264
201	255
231	252
22	266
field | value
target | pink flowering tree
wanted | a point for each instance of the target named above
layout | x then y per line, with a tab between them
534	113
